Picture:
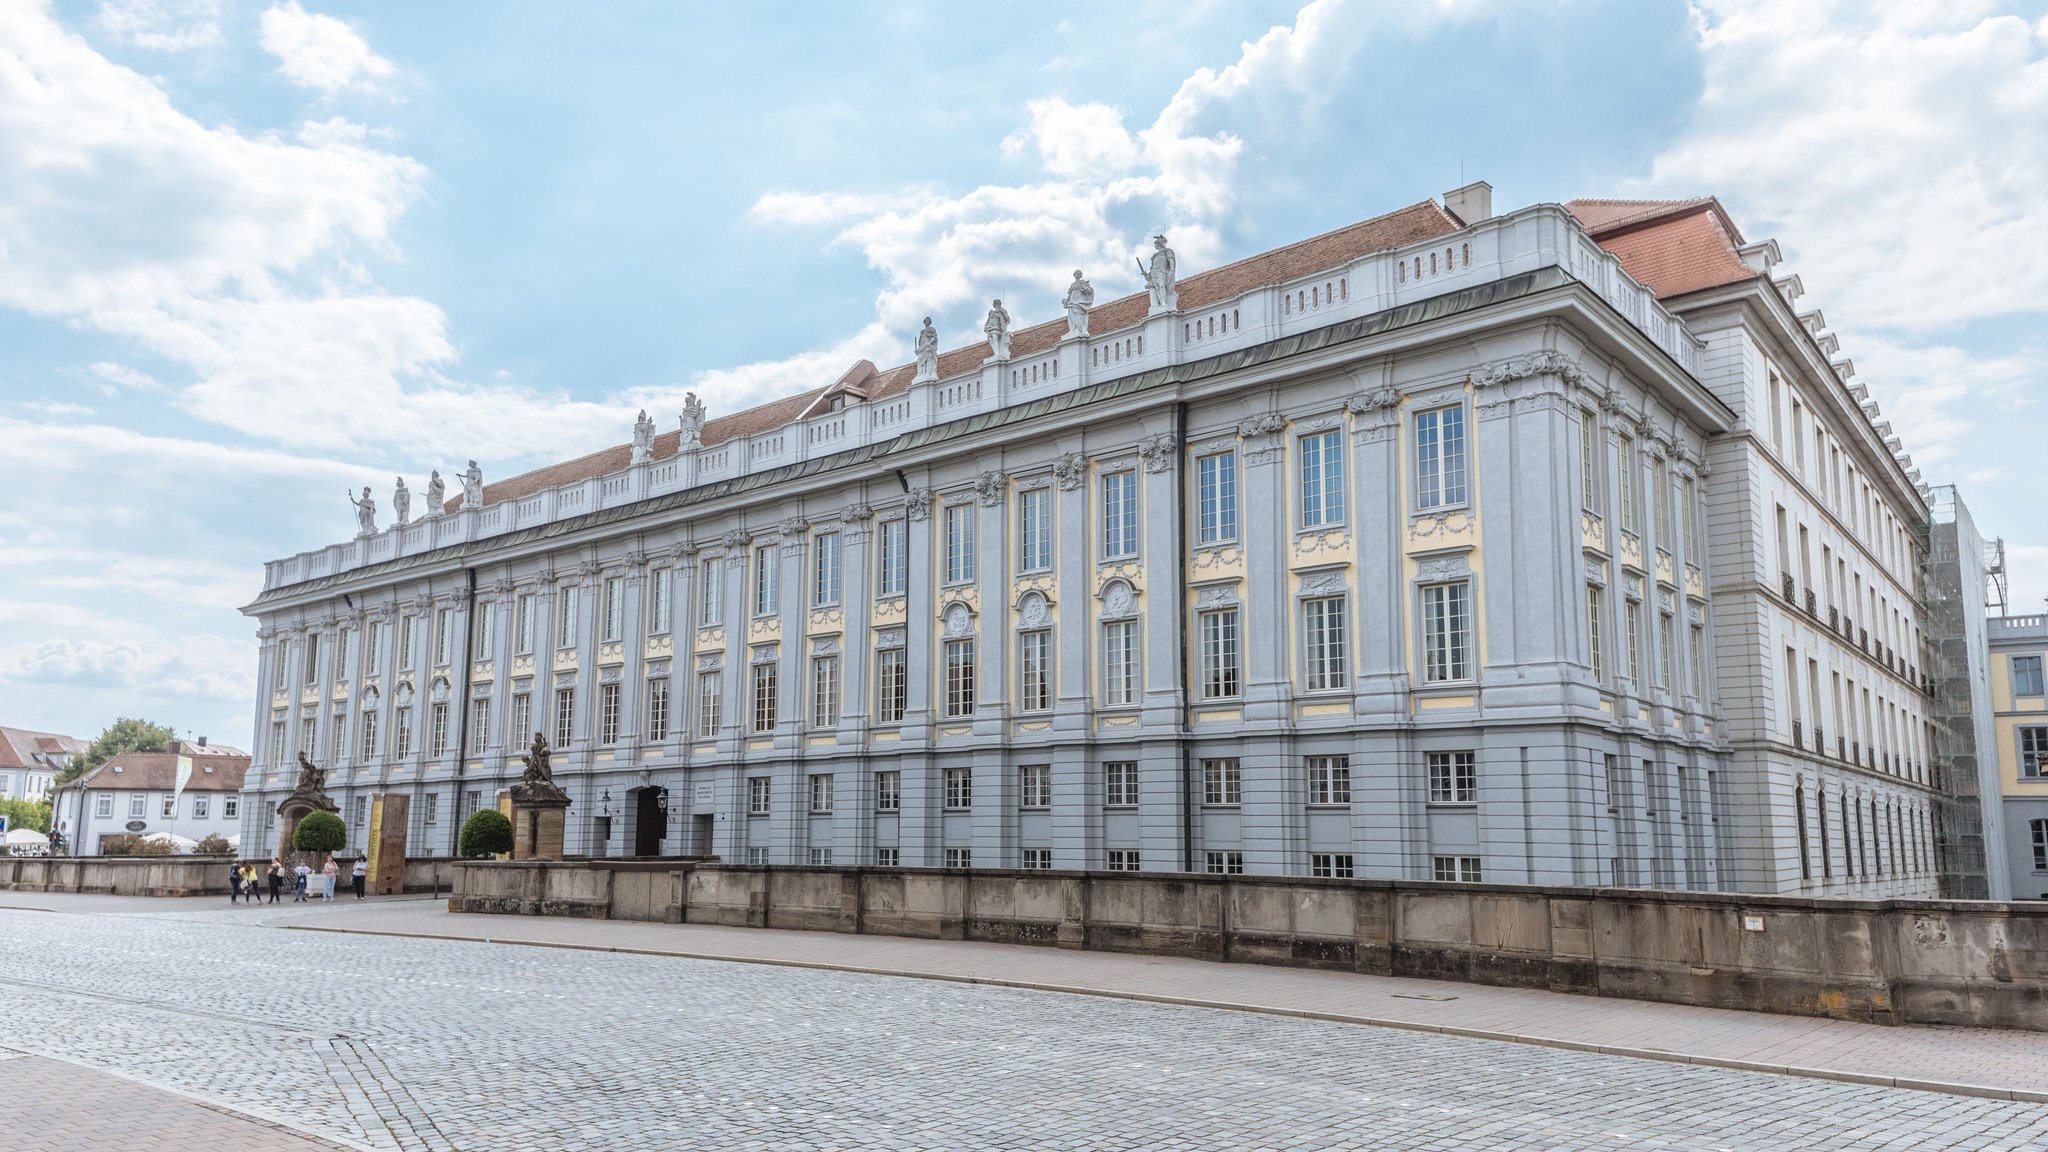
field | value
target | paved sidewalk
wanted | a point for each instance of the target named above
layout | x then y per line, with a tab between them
50	1106
1969	1061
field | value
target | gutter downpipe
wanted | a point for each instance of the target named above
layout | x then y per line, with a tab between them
1180	607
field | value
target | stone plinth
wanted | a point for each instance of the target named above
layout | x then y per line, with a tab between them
537	827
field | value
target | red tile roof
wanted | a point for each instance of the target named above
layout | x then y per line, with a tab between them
1672	246
1415	222
21	748
157	771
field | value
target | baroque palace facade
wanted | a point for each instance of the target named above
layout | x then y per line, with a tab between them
1446	545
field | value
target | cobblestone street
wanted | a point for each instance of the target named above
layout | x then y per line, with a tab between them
381	1042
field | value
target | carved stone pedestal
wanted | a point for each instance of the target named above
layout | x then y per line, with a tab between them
537	827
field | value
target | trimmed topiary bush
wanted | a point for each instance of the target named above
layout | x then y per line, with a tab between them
485	833
321	832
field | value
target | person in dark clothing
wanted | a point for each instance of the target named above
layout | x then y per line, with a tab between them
276	879
359	875
235	883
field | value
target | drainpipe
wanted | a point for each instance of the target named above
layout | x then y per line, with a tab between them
462	708
1180	607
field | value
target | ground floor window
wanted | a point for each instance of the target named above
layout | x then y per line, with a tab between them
1460	868
1038	858
1330	865
959	857
1124	860
1223	863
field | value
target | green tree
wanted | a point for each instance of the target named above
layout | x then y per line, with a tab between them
213	844
123	735
321	832
486	833
27	814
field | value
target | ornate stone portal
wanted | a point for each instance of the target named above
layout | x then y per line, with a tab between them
308	796
540	808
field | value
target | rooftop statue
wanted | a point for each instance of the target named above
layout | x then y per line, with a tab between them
643	438
693	420
1080	298
401	503
437	501
998	328
366	513
1159	277
927	354
473	486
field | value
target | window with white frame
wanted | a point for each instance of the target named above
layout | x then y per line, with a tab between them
1322	479
1034	786
103	807
308	734
1329	780
1034	530
1590	458
960	677
2039	831
1223	863
888	791
1463	869
757	857
1119	515
1125	860
1660	502
959	789
825	569
569	601
1632	624
430	808
758	791
277	739
444	636
312	654
1216	498
483	631
657	708
1324	643
608	714
200	807
711	592
661	586
1119	663
1330	865
565	715
479	725
341	653
170	806
1698	652
824	691
888	857
1596	654
821	857
1222	782
1453	778
522	624
2033	751
407	627
765	688
280	665
892	558
1447	631
1667	639
231	808
821	792
959	519
1626	471
1038	859
401	732
2026	676
437	730
1440	457
767	581
1222	665
1034	666
1120	784
959	857
373	646
892	685
337	728
710	703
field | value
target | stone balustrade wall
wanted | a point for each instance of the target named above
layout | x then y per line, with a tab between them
169	875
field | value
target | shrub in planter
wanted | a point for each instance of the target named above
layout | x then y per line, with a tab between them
321	832
213	844
485	833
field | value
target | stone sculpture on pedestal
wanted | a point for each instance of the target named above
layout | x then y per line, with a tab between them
401	503
473	486
693	420
308	796
437	501
643	438
1160	276
927	354
998	328
539	807
1080	298
366	513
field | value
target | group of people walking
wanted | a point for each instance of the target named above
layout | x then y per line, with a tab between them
245	881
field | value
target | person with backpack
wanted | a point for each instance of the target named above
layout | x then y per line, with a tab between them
234	882
300	876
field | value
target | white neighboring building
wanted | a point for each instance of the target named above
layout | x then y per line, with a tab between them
141	793
30	761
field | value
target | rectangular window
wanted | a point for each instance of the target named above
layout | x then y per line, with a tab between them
959	857
138	806
825	569
1222	783
341	651
821	857
960	677
1447	631
1120	663
1589	462
170	806
757	857
1119	515
1596	641
657	709
444	636
200	807
757	795
367	742
888	791
337	728
1626	471
1124	860
1034	530
608	714
888	857
103	807
406	628
711	593
1699	661
479	725
308	733
892	686
231	808
570	598
483	631
373	647
765	687
1120	784
767	581
522	731
1440	457
1689	499
2033	752
277	738
1216	498
312	654
1035	786
1034	666
710	704
1330	865
959	789
1323	643
1222	666
565	715
959	543
1667	639
522	624
661	587
280	666
437	730
2026	676
825	691
430	808
1660	503
1223	863
1632	620
1322	479
1464	869
1453	778
1329	780
1038	859
821	792
2039	830
893	557
401	733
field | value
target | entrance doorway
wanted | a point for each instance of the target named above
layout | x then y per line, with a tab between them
700	844
650	821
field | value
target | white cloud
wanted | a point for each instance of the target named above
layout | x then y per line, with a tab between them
162	25
1934	393
316	51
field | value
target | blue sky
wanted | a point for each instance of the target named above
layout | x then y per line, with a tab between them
253	254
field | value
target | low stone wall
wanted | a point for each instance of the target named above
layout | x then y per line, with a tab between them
1886	961
168	875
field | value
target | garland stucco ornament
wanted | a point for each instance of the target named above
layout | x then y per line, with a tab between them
1548	362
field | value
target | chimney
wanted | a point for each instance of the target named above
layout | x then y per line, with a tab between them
1470	204
202	741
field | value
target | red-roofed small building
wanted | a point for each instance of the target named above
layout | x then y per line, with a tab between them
29	761
192	791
